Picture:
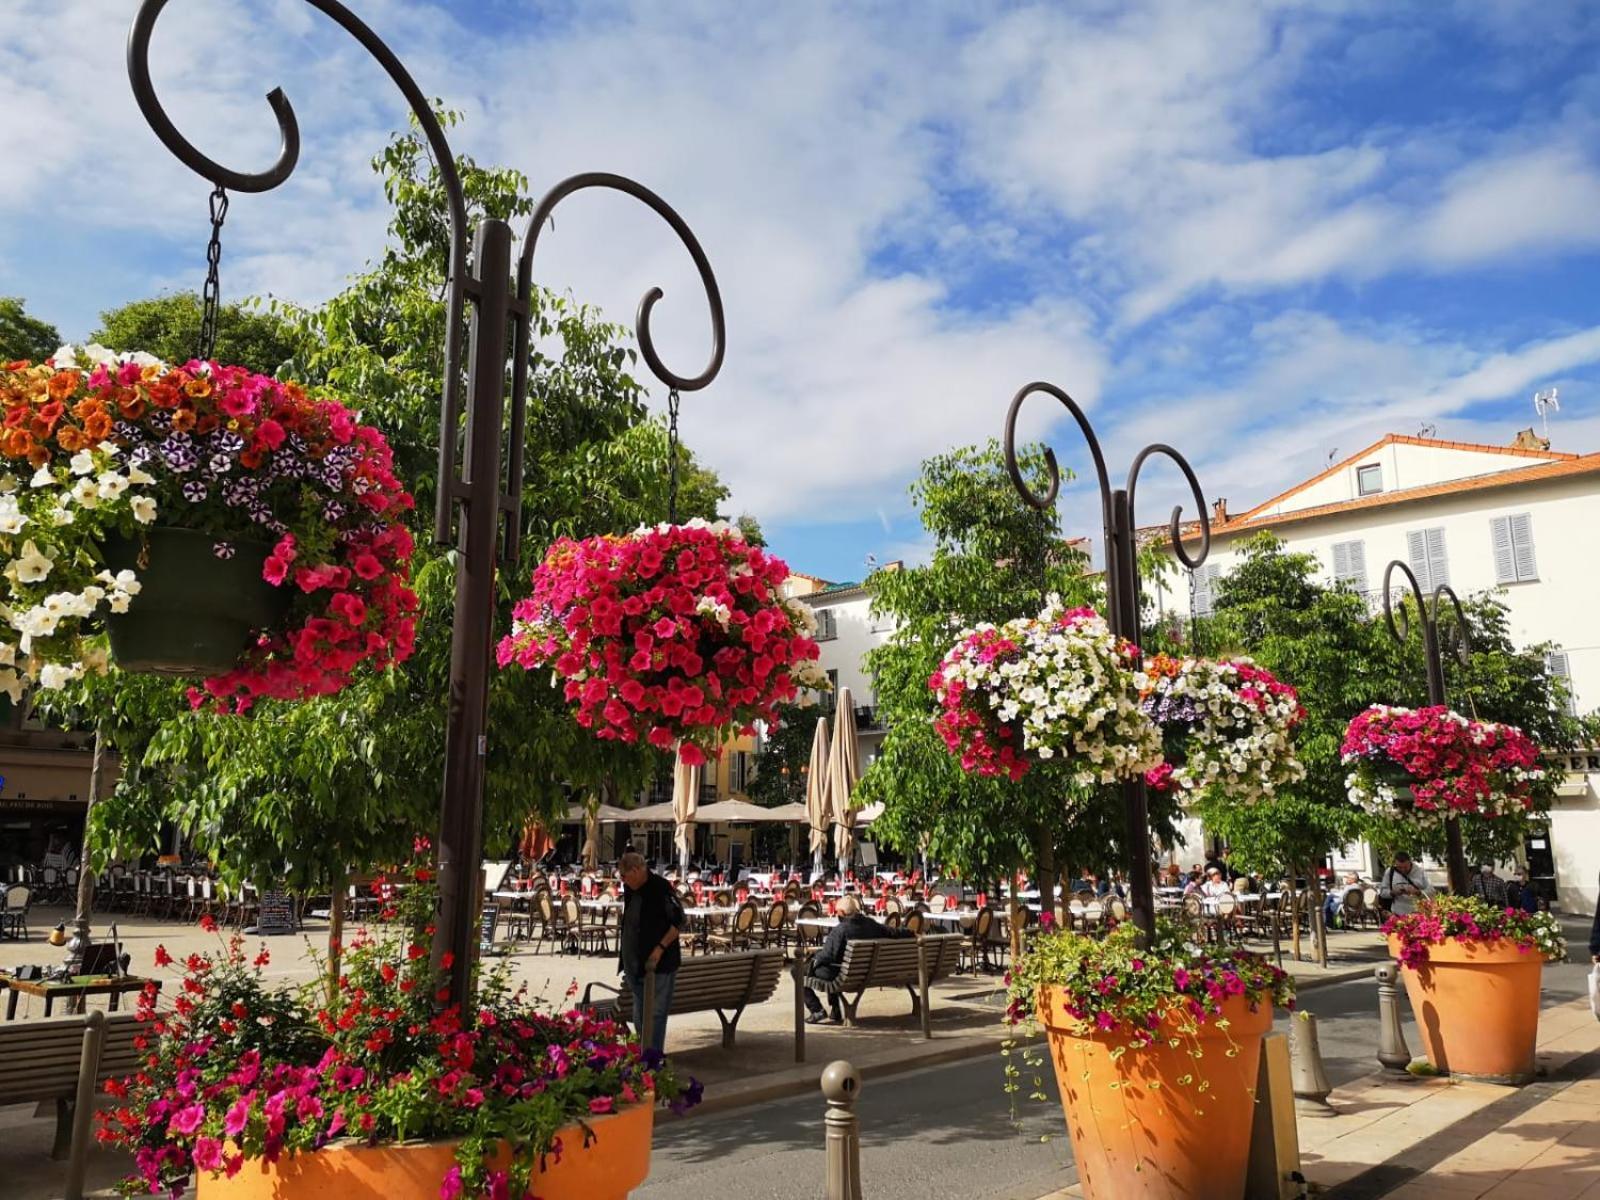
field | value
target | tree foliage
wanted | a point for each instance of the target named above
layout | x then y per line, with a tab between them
169	327
22	336
782	764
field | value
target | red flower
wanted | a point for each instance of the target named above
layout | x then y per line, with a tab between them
163	959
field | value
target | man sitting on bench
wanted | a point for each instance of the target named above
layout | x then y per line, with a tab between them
853	925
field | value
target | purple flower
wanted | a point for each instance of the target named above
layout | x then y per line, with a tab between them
194	492
221	549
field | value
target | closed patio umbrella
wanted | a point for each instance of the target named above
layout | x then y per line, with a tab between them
591	837
818	810
685	799
844	770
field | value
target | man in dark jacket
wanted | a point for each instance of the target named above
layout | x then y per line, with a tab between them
651	920
853	925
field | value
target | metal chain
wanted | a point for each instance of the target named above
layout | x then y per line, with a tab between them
672	456
211	295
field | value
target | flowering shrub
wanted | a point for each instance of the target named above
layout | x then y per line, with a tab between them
1226	725
1036	688
236	1071
676	634
104	444
1468	919
1139	995
1451	765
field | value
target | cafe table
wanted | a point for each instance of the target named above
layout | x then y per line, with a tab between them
113	986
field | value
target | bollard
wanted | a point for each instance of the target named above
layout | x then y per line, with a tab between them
1305	1056
1392	1051
841	1084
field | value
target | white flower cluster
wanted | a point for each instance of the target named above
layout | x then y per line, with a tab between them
1069	688
69	357
1240	744
48	587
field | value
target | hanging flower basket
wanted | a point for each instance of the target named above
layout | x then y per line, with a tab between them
1056	686
248	532
676	634
1227	727
1429	763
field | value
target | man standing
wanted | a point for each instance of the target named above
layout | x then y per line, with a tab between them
1402	884
651	920
1488	887
853	925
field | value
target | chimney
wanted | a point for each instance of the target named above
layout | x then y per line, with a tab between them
1527	439
897	565
1219	510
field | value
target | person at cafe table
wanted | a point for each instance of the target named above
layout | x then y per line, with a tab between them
854	925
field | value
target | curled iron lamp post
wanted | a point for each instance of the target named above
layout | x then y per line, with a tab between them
1122	591
1428	618
477	489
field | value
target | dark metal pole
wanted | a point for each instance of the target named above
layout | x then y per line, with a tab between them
466	742
1122	587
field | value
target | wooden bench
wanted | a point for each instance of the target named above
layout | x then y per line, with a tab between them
719	983
66	1059
913	963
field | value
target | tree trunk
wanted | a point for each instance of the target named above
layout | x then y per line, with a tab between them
1046	873
1019	917
336	904
1294	915
79	946
1319	924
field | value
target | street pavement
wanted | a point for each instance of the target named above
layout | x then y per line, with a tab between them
946	1131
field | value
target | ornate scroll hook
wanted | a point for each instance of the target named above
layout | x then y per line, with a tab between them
1400	627
1177	509
647	344
1461	644
1053	469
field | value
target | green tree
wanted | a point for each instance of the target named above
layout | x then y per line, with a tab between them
22	336
169	327
993	558
785	757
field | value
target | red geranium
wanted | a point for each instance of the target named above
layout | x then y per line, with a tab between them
677	635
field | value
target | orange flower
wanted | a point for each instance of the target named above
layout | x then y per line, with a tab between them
52	413
97	427
38	457
207	424
199	387
85	409
16	442
18	415
250	458
70	438
165	394
17	365
62	384
183	420
131	406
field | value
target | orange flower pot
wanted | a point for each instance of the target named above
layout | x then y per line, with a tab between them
1137	1131
615	1162
1477	1008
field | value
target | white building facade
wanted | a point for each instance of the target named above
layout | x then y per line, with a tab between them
846	632
1518	519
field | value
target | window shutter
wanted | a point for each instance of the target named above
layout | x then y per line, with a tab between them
1205	589
1505	559
1358	565
1522	544
1556	666
1417	553
1438	566
1341	561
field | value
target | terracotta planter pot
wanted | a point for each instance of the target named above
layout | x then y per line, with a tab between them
195	613
613	1164
1138	1139
1477	1008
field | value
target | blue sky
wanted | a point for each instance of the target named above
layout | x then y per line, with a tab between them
1265	232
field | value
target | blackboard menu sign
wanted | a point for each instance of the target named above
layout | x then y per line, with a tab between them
276	914
491	918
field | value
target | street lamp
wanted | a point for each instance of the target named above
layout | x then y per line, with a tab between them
1122	592
485	282
1400	627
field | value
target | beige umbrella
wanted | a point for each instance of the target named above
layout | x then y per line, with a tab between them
818	809
591	836
844	771
685	799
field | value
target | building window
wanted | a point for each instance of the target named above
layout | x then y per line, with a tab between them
1350	564
829	699
1369	479
827	625
1557	667
1202	589
1425	549
1512	538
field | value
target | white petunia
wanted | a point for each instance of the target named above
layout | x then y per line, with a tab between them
136	475
81	463
65	358
42	478
30	566
86	493
111	485
144	509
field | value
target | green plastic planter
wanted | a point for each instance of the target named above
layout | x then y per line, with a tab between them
195	613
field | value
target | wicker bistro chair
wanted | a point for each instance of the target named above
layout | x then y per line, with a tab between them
774	929
737	935
14	907
975	951
1353	908
938	902
807	937
914	922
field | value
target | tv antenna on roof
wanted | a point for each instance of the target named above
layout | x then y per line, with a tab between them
1332	454
872	562
1428	430
1543	401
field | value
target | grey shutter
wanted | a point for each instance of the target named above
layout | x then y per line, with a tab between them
1505	558
1358	565
1417	553
1557	667
1205	589
1438	565
1341	561
1522	545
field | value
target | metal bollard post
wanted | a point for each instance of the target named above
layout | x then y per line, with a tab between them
1392	1050
1310	1077
840	1085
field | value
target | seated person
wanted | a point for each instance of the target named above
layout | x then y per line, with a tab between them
1215	885
853	925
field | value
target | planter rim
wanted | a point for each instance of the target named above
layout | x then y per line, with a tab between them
1498	952
1242	1020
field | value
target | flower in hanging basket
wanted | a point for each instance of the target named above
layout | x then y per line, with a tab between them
1056	686
1227	727
127	474
1440	919
672	634
1429	763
